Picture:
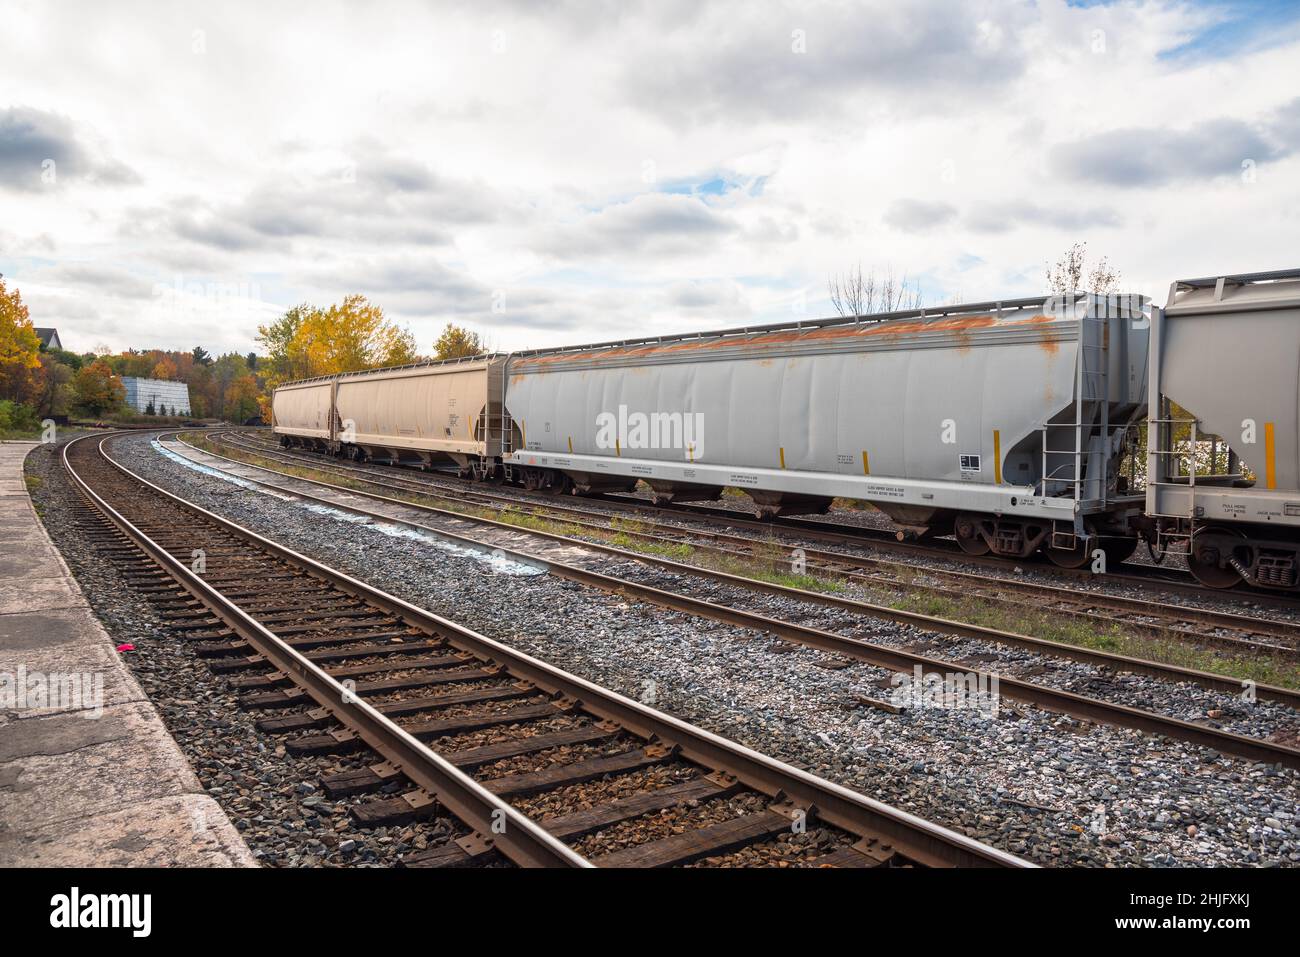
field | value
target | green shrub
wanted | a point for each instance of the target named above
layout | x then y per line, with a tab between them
16	417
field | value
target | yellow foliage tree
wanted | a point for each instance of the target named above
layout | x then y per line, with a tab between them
457	343
241	399
346	337
283	363
165	369
19	344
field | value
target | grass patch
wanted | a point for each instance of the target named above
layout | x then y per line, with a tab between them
773	562
1112	638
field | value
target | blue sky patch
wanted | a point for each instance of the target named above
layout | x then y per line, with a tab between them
1240	25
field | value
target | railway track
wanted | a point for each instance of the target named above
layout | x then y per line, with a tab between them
1211	627
340	666
1137	576
1085	707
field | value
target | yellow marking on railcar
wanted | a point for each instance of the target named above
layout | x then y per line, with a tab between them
618	447
690	452
1270	460
783	456
997	457
570	445
866	463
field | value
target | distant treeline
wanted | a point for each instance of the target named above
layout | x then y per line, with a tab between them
37	383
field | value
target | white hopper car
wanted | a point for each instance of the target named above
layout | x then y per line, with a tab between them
1011	425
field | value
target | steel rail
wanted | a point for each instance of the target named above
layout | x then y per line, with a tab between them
1046	697
521	840
1176	616
861	537
1154	669
917	839
829	532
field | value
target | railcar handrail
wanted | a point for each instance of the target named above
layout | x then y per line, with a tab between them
928	312
997	306
330	377
1240	279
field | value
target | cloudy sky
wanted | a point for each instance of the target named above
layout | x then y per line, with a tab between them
172	174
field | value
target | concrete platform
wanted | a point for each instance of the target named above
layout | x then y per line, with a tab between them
91	778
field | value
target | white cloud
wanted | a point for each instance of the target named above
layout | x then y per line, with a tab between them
576	171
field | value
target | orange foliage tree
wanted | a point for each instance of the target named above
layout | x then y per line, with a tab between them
98	389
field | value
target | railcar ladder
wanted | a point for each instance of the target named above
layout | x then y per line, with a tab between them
1092	369
507	433
505	427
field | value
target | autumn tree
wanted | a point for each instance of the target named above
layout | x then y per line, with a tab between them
456	342
56	394
241	399
200	383
346	337
98	389
20	347
283	362
350	336
225	371
21	373
164	368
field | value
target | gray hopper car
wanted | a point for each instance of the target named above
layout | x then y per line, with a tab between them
1001	422
1014	426
1224	461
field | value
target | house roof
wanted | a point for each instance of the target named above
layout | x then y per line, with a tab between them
45	334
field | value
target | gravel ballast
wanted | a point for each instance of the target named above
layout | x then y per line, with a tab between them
1032	783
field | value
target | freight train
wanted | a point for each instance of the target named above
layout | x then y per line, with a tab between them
1075	427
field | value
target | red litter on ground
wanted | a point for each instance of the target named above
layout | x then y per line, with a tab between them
126	647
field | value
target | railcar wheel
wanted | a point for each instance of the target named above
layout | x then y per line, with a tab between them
1076	557
968	535
1208	561
1118	551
